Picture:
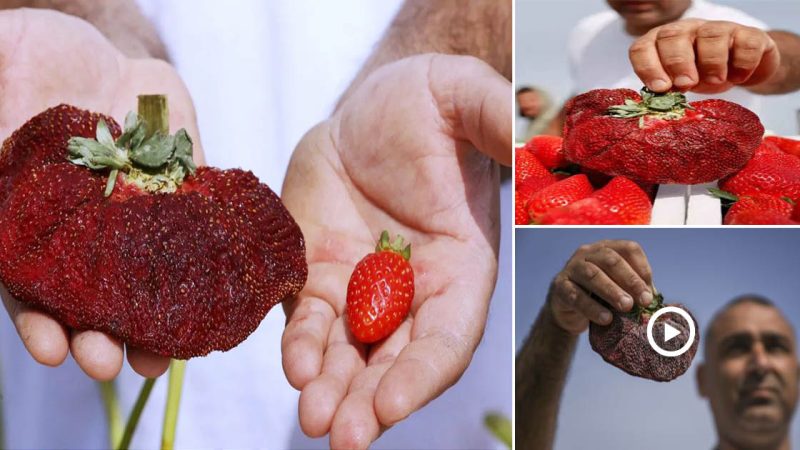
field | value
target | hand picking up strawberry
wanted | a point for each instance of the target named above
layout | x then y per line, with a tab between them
659	138
120	233
380	290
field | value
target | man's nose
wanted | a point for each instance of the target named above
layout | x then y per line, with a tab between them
759	359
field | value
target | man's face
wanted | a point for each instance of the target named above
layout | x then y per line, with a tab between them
642	15
530	104
751	373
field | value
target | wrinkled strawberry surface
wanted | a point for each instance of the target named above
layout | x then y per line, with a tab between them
179	274
624	344
714	139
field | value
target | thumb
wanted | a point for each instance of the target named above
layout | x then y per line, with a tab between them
477	100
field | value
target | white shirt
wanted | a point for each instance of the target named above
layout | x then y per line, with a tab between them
260	74
598	52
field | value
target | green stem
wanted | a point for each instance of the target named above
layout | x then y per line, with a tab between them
153	108
108	391
136	413
176	372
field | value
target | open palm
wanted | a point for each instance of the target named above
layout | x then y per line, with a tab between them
48	58
411	151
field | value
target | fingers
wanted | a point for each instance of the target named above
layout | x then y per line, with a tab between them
98	354
703	55
479	97
676	53
356	422
44	338
321	397
147	364
577	299
304	340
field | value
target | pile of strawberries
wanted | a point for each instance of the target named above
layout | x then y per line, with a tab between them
767	189
552	191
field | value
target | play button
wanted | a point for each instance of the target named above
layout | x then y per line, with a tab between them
670	332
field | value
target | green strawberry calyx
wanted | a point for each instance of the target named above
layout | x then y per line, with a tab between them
644	313
155	163
665	106
397	246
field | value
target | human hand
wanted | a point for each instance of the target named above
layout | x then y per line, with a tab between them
400	155
615	271
704	56
48	58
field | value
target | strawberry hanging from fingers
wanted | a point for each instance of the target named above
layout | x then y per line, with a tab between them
380	290
659	138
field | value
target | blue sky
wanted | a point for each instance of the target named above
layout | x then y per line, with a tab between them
702	268
542	27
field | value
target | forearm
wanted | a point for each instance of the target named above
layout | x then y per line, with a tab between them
120	21
787	78
480	28
541	372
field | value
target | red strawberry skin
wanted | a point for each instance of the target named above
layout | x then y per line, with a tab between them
179	274
379	295
620	202
529	171
786	145
759	210
548	150
770	172
712	140
562	193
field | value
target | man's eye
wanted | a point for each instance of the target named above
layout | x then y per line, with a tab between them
736	348
777	347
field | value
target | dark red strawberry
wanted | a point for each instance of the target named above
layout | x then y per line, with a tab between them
620	202
786	145
559	194
380	291
177	261
548	150
659	138
624	342
770	172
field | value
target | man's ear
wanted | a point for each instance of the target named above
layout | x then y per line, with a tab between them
700	378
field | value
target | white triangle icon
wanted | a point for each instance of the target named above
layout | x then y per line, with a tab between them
670	332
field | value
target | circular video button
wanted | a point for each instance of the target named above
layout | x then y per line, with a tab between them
670	332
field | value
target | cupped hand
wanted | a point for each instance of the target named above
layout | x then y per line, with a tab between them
704	56
413	151
48	58
616	272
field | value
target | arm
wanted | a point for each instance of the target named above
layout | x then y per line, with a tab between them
479	28
541	373
120	21
616	271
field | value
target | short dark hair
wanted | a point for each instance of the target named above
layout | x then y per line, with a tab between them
738	300
525	89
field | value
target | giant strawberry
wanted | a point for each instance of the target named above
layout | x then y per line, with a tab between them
122	234
624	344
659	138
380	290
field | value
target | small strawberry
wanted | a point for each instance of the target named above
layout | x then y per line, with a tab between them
380	291
530	171
548	150
620	202
559	194
760	210
786	145
771	172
